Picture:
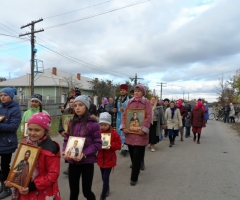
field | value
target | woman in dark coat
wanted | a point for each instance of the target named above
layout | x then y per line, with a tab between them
197	120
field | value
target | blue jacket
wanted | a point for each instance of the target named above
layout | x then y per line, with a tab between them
187	122
9	126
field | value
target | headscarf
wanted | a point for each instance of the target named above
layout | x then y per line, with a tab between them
179	101
173	109
199	104
105	102
142	88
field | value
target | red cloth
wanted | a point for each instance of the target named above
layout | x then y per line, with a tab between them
196	129
197	118
124	87
47	180
106	158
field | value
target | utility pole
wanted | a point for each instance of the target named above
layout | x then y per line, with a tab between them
161	86
135	79
33	50
188	97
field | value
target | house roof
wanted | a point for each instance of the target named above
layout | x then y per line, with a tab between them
47	78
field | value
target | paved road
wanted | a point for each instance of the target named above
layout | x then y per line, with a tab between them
188	171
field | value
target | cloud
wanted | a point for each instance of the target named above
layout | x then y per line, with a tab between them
184	43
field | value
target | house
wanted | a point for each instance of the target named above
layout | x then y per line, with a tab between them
52	84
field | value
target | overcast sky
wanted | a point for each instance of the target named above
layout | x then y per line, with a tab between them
187	44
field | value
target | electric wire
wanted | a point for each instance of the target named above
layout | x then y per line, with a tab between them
14	48
78	61
86	62
92	16
77	10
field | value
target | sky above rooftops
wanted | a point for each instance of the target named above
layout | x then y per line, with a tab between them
187	44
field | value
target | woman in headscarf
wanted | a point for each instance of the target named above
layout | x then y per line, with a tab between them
232	113
138	141
174	122
197	120
104	106
158	123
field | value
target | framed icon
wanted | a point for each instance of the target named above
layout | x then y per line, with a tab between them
2	117
25	130
134	119
65	120
74	146
23	165
106	140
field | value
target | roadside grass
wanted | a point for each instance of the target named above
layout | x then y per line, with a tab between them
53	130
236	126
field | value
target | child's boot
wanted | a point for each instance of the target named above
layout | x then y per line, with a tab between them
103	197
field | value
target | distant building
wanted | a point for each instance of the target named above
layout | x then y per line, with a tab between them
52	84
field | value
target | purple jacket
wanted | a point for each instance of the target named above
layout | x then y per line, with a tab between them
93	142
135	139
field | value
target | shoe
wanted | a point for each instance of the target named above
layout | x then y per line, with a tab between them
194	139
107	194
133	183
142	166
152	150
130	166
173	143
6	192
170	145
198	142
103	197
124	152
182	139
65	172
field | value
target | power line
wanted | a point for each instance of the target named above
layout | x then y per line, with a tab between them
77	10
11	43
15	48
12	36
92	16
79	61
88	63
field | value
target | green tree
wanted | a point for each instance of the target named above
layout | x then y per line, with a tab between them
102	89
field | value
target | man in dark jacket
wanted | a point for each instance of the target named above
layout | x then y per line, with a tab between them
226	109
8	137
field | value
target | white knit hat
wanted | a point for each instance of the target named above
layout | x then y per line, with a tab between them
105	117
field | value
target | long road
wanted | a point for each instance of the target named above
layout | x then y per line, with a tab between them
188	171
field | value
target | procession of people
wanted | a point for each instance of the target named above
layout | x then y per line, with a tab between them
132	121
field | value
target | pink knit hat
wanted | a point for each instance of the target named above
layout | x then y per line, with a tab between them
41	119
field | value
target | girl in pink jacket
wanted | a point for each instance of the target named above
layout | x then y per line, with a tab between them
137	142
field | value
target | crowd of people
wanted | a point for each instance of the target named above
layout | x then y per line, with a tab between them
132	120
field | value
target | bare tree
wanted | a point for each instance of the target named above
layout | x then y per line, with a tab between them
71	82
225	93
2	79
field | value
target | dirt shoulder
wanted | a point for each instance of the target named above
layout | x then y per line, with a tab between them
236	126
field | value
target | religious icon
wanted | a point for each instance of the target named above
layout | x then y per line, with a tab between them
23	165
65	120
106	140
134	119
74	147
25	130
